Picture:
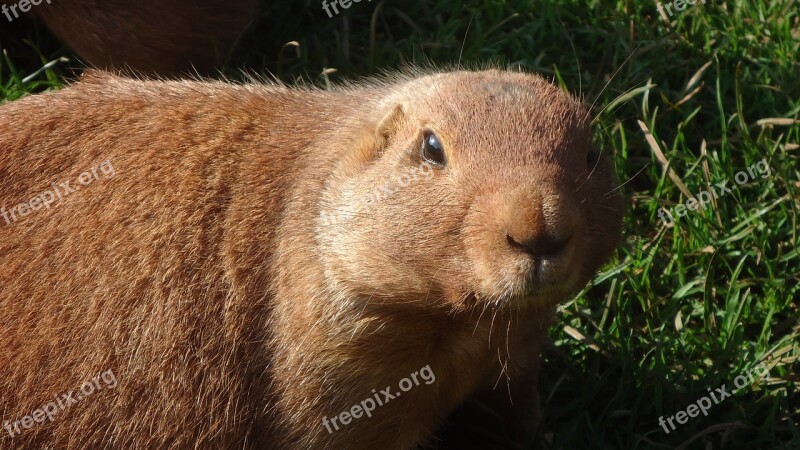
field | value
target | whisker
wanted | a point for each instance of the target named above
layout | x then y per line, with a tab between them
592	171
575	54
464	42
620	121
610	80
629	179
647	78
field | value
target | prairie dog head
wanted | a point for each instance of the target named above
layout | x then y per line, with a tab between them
469	186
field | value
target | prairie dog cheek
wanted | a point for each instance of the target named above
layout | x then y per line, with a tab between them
363	250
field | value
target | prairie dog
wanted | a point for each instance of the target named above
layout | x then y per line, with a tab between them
149	36
266	257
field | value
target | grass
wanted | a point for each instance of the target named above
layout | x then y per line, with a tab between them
680	104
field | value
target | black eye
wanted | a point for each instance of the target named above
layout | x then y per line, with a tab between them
432	149
591	158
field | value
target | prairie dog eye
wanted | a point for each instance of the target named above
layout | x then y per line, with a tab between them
432	149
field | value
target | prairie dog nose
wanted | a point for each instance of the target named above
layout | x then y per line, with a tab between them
539	224
539	244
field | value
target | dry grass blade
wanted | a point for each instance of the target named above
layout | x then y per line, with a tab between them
777	121
583	339
696	77
663	160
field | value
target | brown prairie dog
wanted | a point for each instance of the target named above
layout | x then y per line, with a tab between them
148	36
208	274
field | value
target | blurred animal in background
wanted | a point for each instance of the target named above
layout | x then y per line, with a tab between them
148	37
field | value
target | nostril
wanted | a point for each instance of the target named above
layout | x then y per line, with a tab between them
539	245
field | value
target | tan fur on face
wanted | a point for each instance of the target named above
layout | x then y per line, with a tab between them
499	182
232	312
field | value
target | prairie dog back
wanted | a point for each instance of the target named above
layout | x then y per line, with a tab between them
118	260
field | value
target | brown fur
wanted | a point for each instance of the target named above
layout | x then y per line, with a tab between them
231	313
149	36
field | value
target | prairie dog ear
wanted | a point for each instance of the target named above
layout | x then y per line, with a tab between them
372	144
390	124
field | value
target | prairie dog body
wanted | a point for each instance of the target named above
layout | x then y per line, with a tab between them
208	275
